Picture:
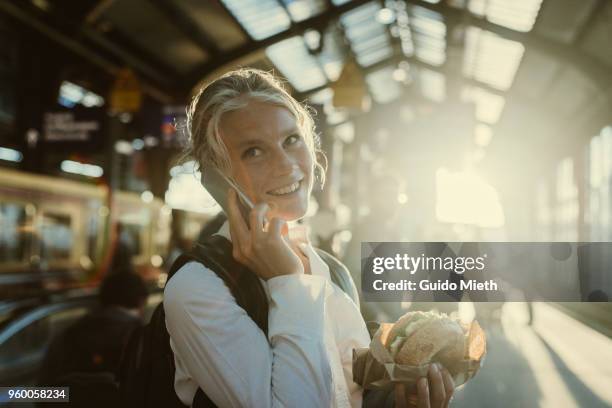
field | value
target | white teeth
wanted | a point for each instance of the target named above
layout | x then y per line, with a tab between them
286	190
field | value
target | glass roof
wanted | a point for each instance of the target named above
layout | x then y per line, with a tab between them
340	2
518	15
377	31
428	35
401	28
368	38
260	18
491	59
293	60
302	9
382	85
332	55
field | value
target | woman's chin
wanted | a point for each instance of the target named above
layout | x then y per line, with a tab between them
289	213
288	210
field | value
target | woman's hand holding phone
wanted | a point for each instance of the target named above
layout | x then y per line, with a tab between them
260	247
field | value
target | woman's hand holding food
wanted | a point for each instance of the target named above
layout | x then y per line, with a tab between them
435	390
262	248
444	343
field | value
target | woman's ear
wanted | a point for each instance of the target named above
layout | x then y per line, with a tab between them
319	168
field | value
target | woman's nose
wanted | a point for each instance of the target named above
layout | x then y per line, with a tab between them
284	163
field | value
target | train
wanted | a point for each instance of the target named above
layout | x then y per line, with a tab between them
59	235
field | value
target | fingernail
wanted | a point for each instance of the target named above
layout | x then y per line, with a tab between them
434	368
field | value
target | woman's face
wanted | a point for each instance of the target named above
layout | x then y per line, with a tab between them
269	156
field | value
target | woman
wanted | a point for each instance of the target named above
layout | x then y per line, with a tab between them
249	127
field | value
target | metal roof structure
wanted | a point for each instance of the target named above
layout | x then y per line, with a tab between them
556	54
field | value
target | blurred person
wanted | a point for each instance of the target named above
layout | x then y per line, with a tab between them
178	242
86	356
298	351
123	250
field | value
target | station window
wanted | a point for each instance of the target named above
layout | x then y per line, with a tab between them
56	236
566	212
13	232
599	183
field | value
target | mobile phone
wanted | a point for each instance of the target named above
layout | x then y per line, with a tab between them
217	184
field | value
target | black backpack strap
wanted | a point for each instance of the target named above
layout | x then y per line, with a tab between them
216	253
340	275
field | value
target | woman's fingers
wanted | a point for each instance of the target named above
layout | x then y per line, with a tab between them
276	226
449	386
423	393
257	218
436	386
400	395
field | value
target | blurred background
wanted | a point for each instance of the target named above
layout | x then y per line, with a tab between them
442	120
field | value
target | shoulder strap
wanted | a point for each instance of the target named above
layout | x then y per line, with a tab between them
215	252
340	275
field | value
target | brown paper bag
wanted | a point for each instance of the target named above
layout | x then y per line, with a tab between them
374	368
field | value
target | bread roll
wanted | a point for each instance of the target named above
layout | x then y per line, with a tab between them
422	337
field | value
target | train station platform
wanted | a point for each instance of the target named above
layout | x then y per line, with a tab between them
556	362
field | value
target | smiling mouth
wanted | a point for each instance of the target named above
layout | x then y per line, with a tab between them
292	188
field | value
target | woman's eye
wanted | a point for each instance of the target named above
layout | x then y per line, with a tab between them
252	152
292	139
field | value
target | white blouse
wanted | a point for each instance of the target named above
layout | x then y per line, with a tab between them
306	360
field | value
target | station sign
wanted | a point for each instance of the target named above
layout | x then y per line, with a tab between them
174	126
126	94
79	126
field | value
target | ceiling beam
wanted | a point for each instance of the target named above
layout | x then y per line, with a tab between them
94	57
595	12
123	48
187	25
234	19
97	10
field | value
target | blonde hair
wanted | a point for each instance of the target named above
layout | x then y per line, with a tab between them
231	92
